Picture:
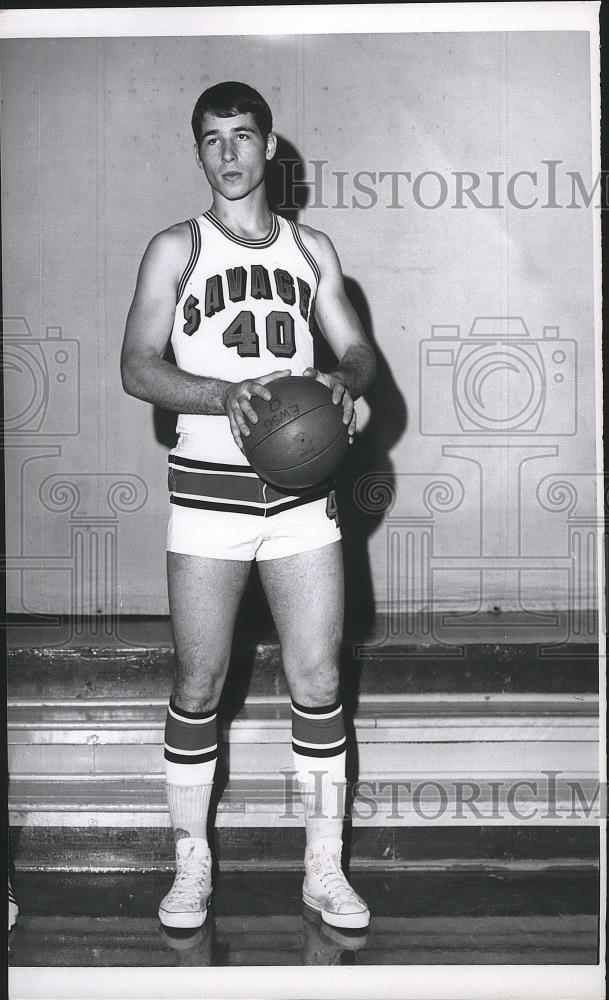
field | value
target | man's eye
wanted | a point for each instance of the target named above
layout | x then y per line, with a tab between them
243	135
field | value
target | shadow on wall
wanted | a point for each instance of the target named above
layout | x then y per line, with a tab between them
370	452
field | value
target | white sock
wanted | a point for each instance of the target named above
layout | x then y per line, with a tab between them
188	808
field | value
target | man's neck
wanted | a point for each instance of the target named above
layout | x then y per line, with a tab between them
250	217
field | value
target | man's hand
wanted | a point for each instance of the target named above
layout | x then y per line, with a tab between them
340	393
237	402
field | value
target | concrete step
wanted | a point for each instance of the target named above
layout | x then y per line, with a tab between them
268	716
431	847
104	671
263	800
489	735
556	630
424	722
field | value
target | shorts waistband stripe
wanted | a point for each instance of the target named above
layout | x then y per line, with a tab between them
210	484
230	508
211	499
297	502
242	508
195	463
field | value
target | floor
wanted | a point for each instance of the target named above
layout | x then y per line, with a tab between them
258	919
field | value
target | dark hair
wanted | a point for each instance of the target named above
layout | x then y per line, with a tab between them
231	98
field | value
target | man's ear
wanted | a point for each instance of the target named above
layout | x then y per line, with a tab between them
195	149
271	145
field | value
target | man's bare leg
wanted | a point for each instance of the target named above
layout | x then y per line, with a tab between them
204	596
306	597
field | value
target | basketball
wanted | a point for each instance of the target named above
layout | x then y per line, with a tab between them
300	437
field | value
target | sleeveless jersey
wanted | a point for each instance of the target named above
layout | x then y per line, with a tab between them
244	309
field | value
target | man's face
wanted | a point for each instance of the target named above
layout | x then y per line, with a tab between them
233	154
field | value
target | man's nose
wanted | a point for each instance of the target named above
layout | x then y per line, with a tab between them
228	152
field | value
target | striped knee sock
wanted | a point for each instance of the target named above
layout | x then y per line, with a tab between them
191	750
318	744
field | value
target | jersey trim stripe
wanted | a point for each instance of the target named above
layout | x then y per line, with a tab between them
308	256
267	241
195	235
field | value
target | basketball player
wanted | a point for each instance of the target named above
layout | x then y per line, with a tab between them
236	289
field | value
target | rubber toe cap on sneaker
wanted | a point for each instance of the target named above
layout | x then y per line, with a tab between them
181	920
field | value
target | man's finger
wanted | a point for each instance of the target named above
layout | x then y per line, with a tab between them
241	423
235	433
348	407
259	390
249	412
273	375
338	392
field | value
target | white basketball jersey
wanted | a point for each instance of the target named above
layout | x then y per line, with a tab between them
244	309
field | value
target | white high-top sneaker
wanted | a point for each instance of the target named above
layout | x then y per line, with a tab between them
326	889
185	905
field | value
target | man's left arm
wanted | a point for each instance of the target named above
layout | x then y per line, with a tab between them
341	327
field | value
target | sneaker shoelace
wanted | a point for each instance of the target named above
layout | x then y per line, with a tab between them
335	883
190	877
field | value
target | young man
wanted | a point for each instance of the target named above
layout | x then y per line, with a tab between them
236	289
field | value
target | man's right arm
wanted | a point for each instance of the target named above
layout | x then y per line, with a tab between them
149	324
144	373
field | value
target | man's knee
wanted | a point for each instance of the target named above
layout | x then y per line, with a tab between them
314	674
198	689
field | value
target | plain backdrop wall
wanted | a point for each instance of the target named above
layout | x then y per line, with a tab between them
97	157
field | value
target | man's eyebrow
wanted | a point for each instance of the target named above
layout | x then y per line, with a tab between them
236	128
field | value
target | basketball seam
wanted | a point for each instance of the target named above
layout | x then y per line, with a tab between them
287	424
294	468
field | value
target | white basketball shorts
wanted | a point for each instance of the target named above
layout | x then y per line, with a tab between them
222	511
